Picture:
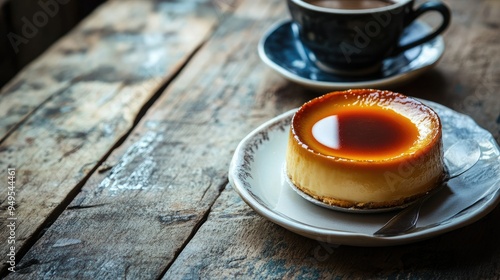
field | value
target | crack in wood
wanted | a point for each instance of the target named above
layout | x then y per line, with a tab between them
176	217
206	190
26	265
26	117
194	231
72	151
30	242
77	207
105	166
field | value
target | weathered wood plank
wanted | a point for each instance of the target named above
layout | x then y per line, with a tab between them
235	242
169	172
167	175
139	42
88	91
32	28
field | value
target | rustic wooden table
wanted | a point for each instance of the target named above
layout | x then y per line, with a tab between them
120	138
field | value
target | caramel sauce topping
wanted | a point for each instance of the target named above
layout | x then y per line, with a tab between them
345	127
368	133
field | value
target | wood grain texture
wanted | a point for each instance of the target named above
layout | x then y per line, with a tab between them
80	98
160	207
141	42
235	242
169	172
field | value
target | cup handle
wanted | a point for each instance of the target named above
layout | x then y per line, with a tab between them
426	7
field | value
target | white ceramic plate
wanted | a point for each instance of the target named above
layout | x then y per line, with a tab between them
255	173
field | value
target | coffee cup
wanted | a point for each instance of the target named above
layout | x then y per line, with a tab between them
353	37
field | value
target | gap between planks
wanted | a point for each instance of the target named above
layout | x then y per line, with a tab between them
194	231
40	231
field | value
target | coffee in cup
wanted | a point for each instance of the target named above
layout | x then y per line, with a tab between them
351	4
353	37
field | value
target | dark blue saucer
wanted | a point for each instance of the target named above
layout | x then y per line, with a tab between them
280	49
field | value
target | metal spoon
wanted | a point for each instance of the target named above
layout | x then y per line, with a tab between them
459	158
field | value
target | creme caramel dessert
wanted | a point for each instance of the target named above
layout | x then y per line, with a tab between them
365	149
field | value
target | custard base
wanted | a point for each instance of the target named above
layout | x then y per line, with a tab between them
364	205
381	184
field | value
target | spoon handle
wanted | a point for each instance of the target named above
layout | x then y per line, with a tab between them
456	164
403	221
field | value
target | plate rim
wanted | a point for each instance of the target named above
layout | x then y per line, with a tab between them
347	237
323	85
